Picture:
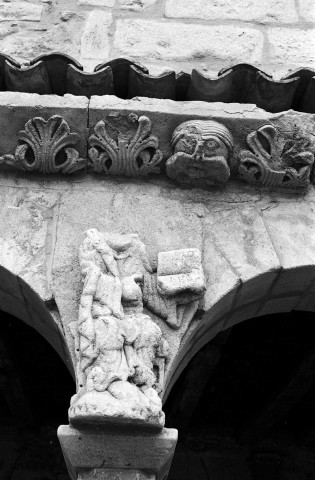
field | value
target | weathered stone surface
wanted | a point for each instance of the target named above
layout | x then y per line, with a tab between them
18	108
269	11
97	3
95	37
291	46
307	10
120	350
202	149
27	235
21	11
274	161
136	5
46	147
183	41
84	449
133	152
179	271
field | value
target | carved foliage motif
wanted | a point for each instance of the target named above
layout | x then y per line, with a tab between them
121	352
46	147
138	155
202	149
274	161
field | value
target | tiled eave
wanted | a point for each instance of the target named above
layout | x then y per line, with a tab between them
57	73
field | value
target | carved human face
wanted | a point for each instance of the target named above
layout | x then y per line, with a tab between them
201	152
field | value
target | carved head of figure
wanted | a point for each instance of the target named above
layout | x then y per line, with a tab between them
201	152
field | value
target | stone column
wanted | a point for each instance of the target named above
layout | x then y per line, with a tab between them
114	453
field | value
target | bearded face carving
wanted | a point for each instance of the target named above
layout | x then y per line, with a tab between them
202	149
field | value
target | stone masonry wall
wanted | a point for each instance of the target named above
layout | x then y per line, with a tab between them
275	35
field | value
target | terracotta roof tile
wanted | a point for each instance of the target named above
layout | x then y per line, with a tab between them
58	74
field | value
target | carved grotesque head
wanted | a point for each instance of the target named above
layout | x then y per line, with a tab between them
201	152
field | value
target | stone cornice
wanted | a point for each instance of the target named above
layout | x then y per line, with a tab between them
191	143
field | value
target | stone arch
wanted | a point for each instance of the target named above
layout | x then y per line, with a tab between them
271	292
19	300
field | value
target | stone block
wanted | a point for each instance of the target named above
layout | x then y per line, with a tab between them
17	108
21	11
244	243
269	11
15	307
97	3
180	270
278	305
115	449
95	37
180	41
307	10
291	46
295	246
135	5
27	235
241	314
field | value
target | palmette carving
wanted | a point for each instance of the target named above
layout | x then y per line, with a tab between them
46	147
202	149
121	352
276	162
133	156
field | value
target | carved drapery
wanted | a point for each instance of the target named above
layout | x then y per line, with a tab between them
121	352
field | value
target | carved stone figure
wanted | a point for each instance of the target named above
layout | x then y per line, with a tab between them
202	149
120	350
46	147
273	161
136	155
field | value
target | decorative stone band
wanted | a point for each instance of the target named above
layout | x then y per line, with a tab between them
199	145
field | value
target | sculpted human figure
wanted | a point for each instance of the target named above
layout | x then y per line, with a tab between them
202	149
117	343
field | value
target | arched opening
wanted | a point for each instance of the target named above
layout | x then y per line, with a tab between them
19	300
245	403
35	389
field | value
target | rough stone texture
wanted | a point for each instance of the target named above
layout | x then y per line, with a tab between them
136	5
21	11
307	10
18	108
291	46
95	40
97	3
162	40
84	449
269	11
223	32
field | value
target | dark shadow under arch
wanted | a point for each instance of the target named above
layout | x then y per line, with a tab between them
250	376
18	299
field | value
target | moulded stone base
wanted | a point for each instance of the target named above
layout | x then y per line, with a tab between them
123	404
102	453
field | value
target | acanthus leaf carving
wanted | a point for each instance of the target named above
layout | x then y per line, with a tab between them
138	155
121	352
46	146
274	161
